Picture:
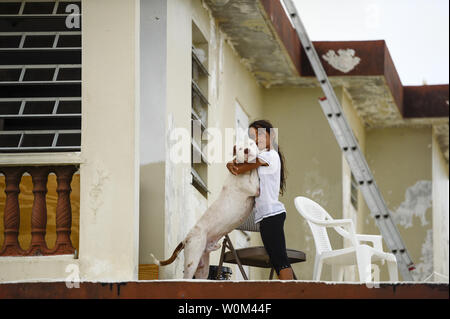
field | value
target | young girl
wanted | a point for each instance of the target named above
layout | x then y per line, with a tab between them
269	211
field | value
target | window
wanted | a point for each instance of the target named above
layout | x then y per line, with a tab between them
40	76
199	111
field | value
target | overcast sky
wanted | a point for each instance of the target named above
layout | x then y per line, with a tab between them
416	31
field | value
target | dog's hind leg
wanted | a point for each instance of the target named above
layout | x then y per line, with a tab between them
194	248
203	267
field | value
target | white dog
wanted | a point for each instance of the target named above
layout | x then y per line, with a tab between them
230	210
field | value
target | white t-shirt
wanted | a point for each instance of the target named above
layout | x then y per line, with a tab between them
267	203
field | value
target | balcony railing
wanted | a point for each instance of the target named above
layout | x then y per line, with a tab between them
11	217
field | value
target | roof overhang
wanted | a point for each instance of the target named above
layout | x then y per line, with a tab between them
263	36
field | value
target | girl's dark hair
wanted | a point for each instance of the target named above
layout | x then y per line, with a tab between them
269	129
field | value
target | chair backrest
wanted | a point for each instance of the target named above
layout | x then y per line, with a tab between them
249	223
310	209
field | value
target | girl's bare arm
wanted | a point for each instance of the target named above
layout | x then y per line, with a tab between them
240	168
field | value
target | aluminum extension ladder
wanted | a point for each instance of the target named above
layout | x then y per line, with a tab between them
349	145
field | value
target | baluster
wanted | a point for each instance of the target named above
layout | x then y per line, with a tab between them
11	246
38	245
63	243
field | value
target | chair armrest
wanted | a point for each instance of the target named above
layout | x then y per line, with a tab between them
338	225
331	223
375	239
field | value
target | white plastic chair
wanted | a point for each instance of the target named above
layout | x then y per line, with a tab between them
358	254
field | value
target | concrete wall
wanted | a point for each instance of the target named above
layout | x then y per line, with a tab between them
153	85
313	163
440	214
360	134
229	81
109	208
401	161
348	210
178	191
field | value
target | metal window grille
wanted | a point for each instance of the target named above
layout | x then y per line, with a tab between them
40	76
199	118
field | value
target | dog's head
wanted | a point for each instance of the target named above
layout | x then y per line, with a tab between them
246	151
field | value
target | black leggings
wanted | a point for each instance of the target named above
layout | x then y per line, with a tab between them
272	235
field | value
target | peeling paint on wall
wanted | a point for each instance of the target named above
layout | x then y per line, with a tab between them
97	267
309	242
216	41
244	8
221	62
425	268
344	61
213	52
441	133
174	194
170	181
200	53
248	32
97	188
184	205
417	202
440	214
318	187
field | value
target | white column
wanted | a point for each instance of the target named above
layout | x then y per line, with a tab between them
109	203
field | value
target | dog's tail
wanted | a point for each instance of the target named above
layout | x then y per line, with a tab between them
171	259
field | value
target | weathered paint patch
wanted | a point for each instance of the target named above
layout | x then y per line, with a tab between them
370	96
97	188
308	243
425	268
250	34
442	135
344	60
170	191
97	267
213	81
417	202
317	187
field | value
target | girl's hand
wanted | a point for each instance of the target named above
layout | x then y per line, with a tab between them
232	168
241	168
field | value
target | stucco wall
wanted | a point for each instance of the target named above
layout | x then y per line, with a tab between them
348	209
313	163
109	184
440	214
360	134
400	160
229	81
153	85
